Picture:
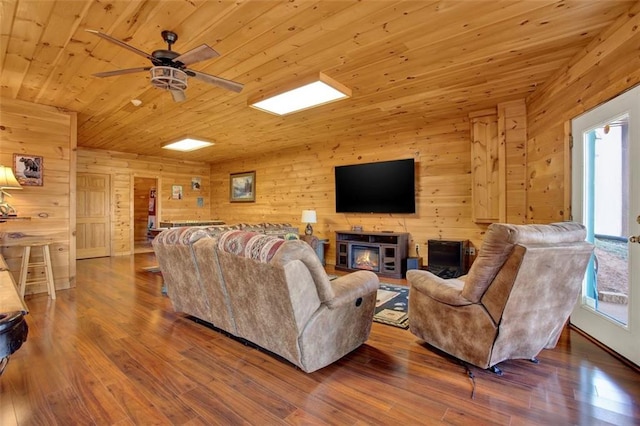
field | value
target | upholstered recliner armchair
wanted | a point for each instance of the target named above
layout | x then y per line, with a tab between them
513	303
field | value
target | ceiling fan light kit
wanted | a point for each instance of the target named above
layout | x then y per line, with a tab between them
169	68
168	78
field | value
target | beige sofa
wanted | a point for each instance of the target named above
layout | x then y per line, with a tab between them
271	292
513	303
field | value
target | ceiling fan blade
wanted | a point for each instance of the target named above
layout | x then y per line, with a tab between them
218	81
121	44
121	72
178	95
200	53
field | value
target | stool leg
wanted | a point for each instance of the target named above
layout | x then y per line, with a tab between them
26	253
51	287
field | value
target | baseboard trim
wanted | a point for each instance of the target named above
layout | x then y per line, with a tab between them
607	349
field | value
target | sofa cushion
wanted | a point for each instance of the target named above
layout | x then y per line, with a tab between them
252	245
217	230
498	245
299	251
554	233
274	225
496	248
181	236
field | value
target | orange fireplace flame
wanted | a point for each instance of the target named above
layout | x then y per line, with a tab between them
365	260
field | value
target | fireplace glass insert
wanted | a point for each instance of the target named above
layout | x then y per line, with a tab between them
367	258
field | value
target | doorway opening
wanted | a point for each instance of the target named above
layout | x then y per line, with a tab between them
145	212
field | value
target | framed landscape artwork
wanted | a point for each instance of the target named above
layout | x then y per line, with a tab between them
28	169
242	187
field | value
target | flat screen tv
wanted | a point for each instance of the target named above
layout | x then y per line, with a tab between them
383	187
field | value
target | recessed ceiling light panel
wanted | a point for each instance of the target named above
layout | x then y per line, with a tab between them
187	144
319	92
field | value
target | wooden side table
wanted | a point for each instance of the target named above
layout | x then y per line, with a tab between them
13	218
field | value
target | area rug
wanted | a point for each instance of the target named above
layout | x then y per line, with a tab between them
391	305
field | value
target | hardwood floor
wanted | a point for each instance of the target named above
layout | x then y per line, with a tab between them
142	246
112	351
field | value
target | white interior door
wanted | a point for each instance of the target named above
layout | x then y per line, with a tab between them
606	199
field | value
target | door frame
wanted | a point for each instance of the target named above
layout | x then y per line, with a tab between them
622	339
132	201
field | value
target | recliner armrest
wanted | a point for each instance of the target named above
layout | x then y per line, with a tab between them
348	288
444	291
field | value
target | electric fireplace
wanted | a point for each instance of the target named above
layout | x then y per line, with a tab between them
365	257
383	253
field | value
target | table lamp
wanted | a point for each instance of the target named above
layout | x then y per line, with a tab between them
308	217
7	181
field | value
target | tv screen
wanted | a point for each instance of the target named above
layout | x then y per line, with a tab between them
384	187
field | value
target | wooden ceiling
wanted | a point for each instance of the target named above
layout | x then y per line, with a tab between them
408	64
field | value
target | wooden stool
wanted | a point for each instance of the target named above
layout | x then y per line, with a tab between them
46	263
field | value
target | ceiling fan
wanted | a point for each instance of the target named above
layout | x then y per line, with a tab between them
169	68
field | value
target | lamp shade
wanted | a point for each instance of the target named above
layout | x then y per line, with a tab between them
8	179
308	216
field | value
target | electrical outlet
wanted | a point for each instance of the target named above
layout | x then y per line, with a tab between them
472	251
417	248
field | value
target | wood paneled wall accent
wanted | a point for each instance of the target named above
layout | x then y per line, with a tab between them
498	155
487	163
27	128
512	131
605	68
124	167
292	180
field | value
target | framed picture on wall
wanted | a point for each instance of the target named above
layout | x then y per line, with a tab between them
176	192
28	169
242	187
196	183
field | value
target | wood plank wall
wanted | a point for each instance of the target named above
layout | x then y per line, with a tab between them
498	148
487	166
27	128
124	167
512	131
303	178
604	69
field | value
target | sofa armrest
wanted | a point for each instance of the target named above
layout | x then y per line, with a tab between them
348	288
444	291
